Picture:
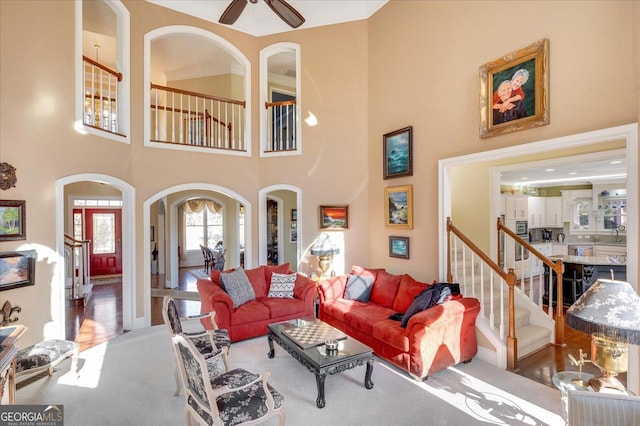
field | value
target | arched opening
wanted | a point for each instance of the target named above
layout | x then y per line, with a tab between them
288	222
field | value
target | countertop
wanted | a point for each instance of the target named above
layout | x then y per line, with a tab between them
592	260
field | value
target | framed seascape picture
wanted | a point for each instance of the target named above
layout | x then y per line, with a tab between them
334	217
17	269
399	247
398	153
12	220
514	91
398	207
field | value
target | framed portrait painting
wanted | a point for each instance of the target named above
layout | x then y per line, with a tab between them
334	217
514	91
398	207
12	220
399	247
398	153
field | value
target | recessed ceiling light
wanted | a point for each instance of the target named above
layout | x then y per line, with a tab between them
549	170
615	162
573	173
524	178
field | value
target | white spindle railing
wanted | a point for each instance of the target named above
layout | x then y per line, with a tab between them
281	126
195	119
77	267
100	96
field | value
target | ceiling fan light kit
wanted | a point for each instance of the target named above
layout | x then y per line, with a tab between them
284	10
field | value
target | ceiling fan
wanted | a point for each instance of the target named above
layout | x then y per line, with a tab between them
280	7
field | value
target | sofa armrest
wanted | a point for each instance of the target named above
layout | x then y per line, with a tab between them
332	288
445	312
305	289
214	298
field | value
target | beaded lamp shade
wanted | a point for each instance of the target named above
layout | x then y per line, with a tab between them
610	308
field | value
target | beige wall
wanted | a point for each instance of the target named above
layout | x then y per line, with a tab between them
423	71
412	63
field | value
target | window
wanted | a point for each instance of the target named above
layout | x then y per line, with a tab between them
104	241
204	225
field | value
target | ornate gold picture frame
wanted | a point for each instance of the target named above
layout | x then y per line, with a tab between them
398	207
514	91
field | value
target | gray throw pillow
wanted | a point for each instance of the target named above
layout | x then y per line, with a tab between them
358	288
237	285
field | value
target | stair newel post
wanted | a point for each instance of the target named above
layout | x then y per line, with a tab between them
512	340
559	319
449	274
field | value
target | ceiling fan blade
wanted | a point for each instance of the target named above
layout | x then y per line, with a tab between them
286	12
232	12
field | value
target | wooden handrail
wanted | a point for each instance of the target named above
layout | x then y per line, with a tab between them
281	103
199	95
74	240
557	267
117	74
509	278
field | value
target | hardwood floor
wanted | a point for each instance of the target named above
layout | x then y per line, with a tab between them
101	320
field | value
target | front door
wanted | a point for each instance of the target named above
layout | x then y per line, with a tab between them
104	227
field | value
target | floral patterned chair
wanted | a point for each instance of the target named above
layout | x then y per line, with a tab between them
228	398
208	342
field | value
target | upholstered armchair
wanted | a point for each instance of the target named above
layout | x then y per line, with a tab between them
208	342
599	408
230	398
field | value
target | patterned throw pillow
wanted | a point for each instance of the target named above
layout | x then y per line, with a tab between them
282	285
237	285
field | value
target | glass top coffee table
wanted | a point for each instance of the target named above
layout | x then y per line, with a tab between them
304	339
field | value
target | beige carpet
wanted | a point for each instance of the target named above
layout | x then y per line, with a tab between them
129	381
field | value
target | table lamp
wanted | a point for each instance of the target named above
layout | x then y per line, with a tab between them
324	249
610	311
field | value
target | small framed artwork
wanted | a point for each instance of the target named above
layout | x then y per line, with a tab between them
334	217
152	232
12	220
399	247
17	269
398	207
294	215
398	153
293	235
514	91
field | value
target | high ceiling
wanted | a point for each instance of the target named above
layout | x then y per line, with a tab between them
259	20
568	172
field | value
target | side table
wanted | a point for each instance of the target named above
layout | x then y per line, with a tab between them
568	380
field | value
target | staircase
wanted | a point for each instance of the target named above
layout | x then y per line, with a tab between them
505	333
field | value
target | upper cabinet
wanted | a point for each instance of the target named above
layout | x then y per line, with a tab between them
612	210
553	212
516	207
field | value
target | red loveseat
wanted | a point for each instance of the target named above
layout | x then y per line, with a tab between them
434	339
251	319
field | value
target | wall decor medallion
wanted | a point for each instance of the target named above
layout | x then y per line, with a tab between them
398	207
514	91
12	220
398	153
7	176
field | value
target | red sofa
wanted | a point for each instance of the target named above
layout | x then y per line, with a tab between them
434	339
251	319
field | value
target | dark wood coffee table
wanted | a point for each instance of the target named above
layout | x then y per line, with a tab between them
351	353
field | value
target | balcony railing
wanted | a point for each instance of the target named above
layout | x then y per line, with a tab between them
281	126
100	96
194	119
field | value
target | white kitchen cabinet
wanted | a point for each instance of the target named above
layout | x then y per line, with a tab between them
553	212
536	216
610	250
545	249
559	249
516	207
